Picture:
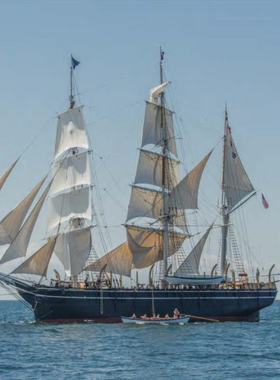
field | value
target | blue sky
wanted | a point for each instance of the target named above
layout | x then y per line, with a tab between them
215	51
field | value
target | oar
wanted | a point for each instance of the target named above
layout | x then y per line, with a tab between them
194	317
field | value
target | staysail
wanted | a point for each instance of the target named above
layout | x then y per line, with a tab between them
10	224
117	261
37	264
7	173
20	243
191	264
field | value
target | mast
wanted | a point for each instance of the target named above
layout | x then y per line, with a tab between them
224	208
164	179
71	96
74	63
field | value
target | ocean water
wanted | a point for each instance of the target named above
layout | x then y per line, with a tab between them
31	350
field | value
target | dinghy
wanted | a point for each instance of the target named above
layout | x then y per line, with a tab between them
156	321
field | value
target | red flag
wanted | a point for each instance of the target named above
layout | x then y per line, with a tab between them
264	202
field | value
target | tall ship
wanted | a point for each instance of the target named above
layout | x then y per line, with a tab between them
157	229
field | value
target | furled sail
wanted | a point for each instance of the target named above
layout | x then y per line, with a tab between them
156	91
73	249
10	224
19	245
7	173
37	264
191	264
185	194
118	261
236	181
71	131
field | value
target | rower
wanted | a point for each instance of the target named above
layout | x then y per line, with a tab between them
176	313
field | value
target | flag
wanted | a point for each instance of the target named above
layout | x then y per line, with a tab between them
74	62
264	202
161	55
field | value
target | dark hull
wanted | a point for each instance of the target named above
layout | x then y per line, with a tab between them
73	305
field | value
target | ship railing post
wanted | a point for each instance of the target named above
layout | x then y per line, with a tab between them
150	276
137	280
269	276
121	283
233	278
226	275
213	274
258	279
101	274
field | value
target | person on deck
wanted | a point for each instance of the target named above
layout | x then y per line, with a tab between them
86	282
167	316
176	313
134	316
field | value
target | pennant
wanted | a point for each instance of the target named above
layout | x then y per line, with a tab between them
264	202
75	63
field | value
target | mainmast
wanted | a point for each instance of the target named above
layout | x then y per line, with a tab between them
165	195
74	63
224	209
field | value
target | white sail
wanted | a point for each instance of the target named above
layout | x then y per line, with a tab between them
68	206
38	263
71	131
146	245
73	249
19	245
149	169
144	203
71	172
156	91
191	264
118	261
236	181
184	195
152	131
10	225
7	173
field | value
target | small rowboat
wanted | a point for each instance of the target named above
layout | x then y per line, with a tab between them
156	321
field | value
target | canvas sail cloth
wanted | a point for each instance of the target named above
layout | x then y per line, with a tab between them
73	249
71	131
185	193
20	243
38	263
146	201
144	219
7	173
10	225
236	181
191	264
70	201
118	261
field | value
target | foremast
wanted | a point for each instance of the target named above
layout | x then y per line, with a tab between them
224	208
165	194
